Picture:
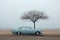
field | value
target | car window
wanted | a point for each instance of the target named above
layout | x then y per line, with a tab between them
25	28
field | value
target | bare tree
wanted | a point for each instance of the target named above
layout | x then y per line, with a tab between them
34	15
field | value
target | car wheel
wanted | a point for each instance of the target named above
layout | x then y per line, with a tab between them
18	33
37	33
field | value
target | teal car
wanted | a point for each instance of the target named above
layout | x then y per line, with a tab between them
26	30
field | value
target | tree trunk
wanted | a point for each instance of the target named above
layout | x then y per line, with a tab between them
34	25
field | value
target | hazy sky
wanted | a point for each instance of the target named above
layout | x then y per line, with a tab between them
11	10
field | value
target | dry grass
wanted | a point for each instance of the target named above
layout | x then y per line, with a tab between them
5	32
52	32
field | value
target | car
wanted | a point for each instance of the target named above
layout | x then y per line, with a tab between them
26	30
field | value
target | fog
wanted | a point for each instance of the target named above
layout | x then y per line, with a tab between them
12	10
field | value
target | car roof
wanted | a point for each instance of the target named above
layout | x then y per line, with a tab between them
25	27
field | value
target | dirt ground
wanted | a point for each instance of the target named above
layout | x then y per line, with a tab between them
46	35
29	37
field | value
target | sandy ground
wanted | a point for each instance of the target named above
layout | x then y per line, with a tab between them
46	35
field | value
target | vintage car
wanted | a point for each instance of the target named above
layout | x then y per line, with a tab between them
26	30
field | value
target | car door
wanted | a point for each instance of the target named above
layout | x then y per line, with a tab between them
30	31
23	30
27	31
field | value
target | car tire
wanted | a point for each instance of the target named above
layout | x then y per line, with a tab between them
37	33
18	33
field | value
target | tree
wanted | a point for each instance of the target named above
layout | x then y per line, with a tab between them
34	15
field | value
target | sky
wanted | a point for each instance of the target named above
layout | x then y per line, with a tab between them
12	10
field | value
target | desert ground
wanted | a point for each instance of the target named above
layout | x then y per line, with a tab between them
46	35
